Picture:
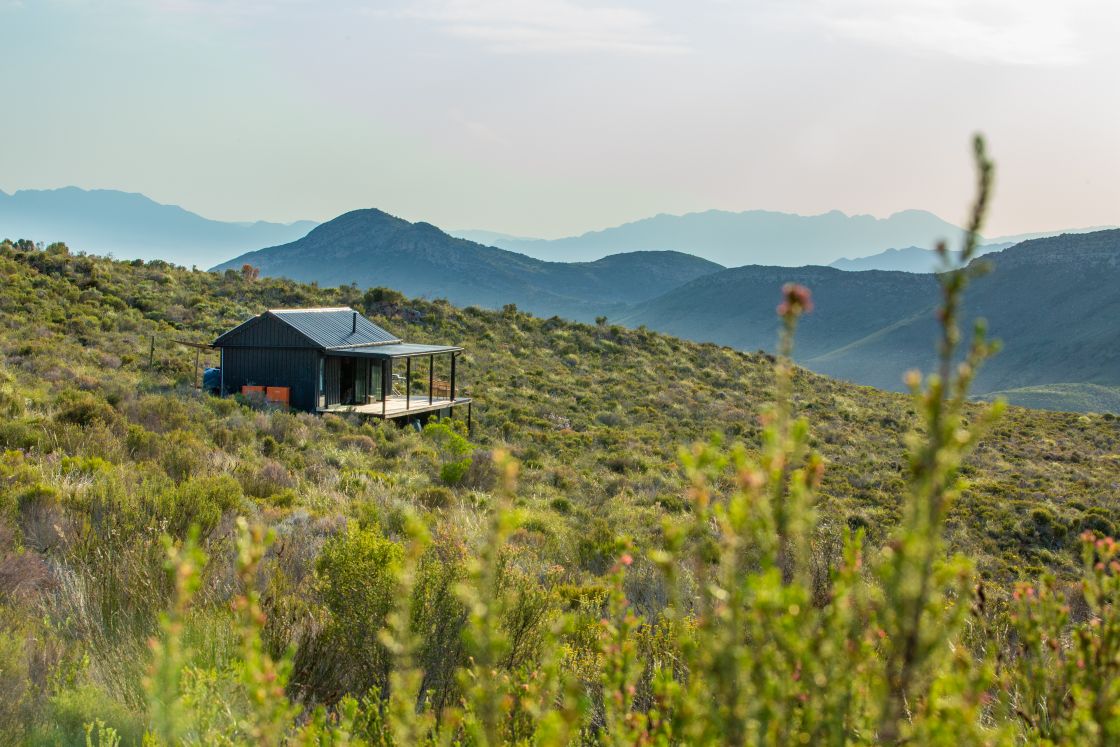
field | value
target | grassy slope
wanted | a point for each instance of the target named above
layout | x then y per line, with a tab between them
1067	397
595	413
101	458
1052	302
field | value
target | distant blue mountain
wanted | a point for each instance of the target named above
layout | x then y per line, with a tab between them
758	237
129	226
917	259
910	259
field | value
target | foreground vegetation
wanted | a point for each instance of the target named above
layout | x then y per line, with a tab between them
196	570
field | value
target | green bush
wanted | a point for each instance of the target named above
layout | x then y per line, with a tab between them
83	409
435	497
358	570
74	708
21	433
453	473
198	501
454	451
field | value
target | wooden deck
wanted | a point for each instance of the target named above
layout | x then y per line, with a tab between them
397	407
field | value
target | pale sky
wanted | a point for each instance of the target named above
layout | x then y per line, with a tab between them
553	117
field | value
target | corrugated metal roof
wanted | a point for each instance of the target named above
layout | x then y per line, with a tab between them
335	327
397	350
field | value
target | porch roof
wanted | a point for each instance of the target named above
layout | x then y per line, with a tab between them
394	350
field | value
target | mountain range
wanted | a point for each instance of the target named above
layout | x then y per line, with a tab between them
1053	302
760	237
372	248
130	226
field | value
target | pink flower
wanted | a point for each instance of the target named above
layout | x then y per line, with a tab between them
626	559
796	300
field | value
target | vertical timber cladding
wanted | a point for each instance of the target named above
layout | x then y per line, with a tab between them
291	367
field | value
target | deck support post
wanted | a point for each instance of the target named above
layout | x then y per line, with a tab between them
407	383
453	357
431	378
383	377
470	427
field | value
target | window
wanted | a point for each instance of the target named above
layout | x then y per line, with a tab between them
322	398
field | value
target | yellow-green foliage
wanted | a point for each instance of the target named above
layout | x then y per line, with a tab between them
358	570
185	569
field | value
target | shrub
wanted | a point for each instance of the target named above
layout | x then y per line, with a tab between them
11	403
453	473
20	433
141	443
271	478
74	708
358	575
182	454
198	501
359	442
435	496
561	505
454	451
481	474
17	693
83	409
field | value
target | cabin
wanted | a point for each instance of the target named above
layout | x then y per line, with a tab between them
336	360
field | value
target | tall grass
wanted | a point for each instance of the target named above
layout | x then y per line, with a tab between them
278	579
759	641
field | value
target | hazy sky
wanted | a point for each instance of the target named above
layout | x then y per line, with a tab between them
552	117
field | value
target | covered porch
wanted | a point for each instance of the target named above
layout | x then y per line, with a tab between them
393	380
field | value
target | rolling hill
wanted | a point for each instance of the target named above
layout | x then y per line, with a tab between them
1067	397
373	248
1053	302
132	226
254	561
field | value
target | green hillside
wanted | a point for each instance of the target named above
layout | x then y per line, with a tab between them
1051	301
102	458
1068	397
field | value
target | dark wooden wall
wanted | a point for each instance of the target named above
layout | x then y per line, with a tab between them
297	368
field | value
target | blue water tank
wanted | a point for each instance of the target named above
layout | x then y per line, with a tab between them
212	380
